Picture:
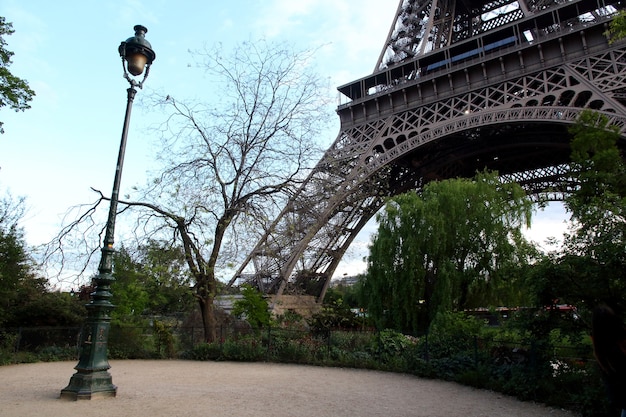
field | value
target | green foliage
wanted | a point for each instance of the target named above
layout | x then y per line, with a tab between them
8	342
389	344
253	307
153	281
589	269
129	341
19	283
167	280
294	347
246	349
601	196
349	294
49	309
57	353
571	391
617	27
206	351
290	319
506	359
351	341
333	315
164	340
129	294
449	323
451	247
594	250
453	332
14	92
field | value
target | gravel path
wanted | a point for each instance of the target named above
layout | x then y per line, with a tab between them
189	389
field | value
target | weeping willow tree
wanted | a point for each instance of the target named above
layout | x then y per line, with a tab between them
458	244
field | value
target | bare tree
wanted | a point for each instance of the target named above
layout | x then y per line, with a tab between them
229	162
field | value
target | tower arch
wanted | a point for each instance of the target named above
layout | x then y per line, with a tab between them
461	86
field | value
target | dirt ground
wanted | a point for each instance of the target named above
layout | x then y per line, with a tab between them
189	389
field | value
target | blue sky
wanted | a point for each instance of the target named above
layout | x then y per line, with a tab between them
54	153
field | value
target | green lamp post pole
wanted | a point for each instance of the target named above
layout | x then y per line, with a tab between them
92	378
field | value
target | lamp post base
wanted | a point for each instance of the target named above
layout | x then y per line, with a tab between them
88	386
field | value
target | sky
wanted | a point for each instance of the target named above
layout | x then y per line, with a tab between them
66	144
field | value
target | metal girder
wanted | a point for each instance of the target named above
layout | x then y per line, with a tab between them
497	90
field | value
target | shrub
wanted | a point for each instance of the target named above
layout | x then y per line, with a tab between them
56	353
206	352
245	349
290	319
7	347
165	345
253	307
350	340
334	315
291	350
128	341
578	386
388	344
451	333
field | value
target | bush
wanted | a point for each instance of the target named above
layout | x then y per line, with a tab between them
245	349
292	350
334	315
578	387
253	307
388	345
557	371
206	352
56	353
165	344
129	341
7	347
452	333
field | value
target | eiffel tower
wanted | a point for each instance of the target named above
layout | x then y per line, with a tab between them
460	86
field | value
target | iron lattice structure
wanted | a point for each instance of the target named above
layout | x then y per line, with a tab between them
460	86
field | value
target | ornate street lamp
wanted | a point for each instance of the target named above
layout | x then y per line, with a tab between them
92	379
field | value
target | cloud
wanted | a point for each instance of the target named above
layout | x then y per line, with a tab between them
281	16
131	10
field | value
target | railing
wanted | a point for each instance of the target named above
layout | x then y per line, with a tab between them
272	343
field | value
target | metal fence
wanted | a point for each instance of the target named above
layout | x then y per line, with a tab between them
538	371
130	341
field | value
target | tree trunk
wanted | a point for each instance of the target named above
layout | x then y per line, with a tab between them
208	289
207	310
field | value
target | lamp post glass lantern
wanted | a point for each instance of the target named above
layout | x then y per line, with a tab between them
92	379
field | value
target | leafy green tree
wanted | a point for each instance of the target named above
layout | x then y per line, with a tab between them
19	282
14	92
348	293
598	205
450	247
155	281
169	281
617	27
593	253
25	300
591	265
129	293
49	309
253	307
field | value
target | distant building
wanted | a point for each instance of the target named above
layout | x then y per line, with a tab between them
226	302
346	281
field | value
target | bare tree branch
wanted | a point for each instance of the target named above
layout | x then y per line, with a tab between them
226	166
